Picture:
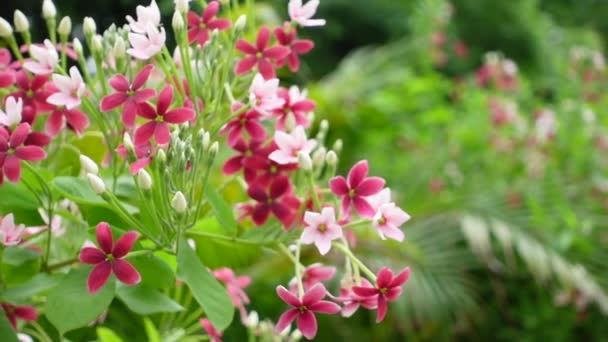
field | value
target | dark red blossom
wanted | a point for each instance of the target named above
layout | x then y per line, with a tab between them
249	122
199	26
354	189
13	149
278	199
109	258
261	170
388	289
14	312
129	95
261	55
62	117
246	151
34	91
287	36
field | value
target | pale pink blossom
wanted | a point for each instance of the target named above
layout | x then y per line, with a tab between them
55	224
321	229
10	234
263	94
302	14
387	220
379	199
11	116
146	15
546	125
291	145
45	59
145	46
70	88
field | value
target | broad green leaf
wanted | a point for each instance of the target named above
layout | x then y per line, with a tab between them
67	160
146	301
155	273
92	145
16	196
151	331
19	265
106	335
222	210
6	330
70	306
77	190
41	282
18	255
207	290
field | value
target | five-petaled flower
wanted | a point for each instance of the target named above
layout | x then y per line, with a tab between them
291	145
13	148
199	26
33	91
128	95
109	258
312	275
388	289
146	46
261	55
302	14
263	95
10	233
353	301
146	16
45	59
356	188
247	121
11	116
14	312
321	229
303	309
287	36
296	105
234	286
160	118
278	199
70	91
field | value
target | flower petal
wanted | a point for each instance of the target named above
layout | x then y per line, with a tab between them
125	272
104	237
338	186
99	276
357	174
370	186
112	101
286	318
314	294
307	324
325	307
92	255
288	297
124	244
119	83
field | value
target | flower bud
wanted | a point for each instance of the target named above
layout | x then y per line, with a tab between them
144	180
296	336
48	9
88	165
96	184
89	27
331	158
253	319
240	23
178	203
21	22
290	123
97	43
119	48
304	161
77	45
324	125
65	26
213	150
177	22
6	30
206	141
318	157
161	156
182	6
338	146
128	142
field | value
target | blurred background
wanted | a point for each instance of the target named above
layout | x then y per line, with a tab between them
488	120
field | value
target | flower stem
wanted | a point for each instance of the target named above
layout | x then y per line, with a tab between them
356	261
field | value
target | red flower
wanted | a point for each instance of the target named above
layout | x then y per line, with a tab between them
356	189
14	312
312	275
388	289
60	117
236	163
13	148
304	309
260	55
159	117
296	104
259	169
286	36
199	26
7	74
129	95
109	258
278	199
248	121
34	91
353	301
214	335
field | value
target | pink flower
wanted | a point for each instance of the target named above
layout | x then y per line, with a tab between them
290	145
10	234
7	73
13	148
214	335
388	289
159	118
302	14
260	55
321	229
14	312
129	95
62	117
235	286
296	104
304	309
247	151
387	220
199	26
314	274
356	188
247	121
278	199
146	46
71	89
46	58
261	170
286	36
13	108
109	258
33	91
353	301
143	155
263	94
146	16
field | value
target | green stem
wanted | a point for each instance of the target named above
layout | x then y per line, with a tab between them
220	237
356	261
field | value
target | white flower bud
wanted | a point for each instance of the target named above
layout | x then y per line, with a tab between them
48	9
77	45
253	319
206	141
240	22
144	180
88	165
128	142
318	157
324	125
304	161
6	30
161	156
97	43
338	146
213	150
178	203
65	26
89	27
331	158
96	184
21	22
182	6
119	47
296	336
290	123
177	22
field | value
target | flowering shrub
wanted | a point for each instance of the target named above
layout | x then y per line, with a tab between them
139	147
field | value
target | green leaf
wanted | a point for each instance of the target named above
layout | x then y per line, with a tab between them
155	273
223	212
92	145
19	265
16	256
67	160
207	290
16	196
146	301
69	305
6	330
41	282
151	331
106	335
77	190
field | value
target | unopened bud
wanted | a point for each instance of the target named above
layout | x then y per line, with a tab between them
304	161
48	9
240	23
21	22
296	336
318	157
6	30
206	141
65	26
177	22
331	158
88	165
144	180
324	125
213	150
89	27
253	319
119	47
338	146
128	143
178	203
97	43
96	184
182	6
290	123
77	45
161	156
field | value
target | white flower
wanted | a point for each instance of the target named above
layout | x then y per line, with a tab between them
45	59
145	46
292	146
146	16
302	14
71	89
12	114
263	94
